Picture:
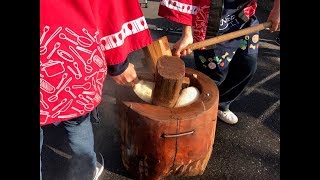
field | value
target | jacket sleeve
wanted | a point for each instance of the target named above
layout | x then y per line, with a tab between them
122	28
182	11
117	69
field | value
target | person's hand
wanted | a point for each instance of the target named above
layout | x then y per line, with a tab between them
183	42
127	76
274	16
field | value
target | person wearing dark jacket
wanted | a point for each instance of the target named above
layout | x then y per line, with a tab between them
231	64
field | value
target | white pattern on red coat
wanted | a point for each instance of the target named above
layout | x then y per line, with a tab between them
181	6
197	17
73	58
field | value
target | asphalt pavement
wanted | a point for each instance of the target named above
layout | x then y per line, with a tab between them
248	150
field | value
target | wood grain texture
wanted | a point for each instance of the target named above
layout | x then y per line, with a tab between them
148	154
169	77
155	50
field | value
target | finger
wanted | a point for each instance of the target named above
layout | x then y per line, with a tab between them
177	52
129	79
275	26
118	81
131	65
121	81
131	74
189	51
183	53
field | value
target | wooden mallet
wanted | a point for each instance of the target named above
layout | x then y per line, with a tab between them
161	46
170	71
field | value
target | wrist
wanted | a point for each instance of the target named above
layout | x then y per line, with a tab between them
187	31
117	69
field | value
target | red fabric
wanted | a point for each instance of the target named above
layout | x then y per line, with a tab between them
78	39
176	14
182	11
250	10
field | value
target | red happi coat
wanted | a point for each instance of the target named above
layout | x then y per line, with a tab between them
194	13
78	40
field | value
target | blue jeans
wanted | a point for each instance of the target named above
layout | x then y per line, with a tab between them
80	138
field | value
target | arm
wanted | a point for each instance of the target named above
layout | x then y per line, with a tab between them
187	18
186	39
122	73
274	16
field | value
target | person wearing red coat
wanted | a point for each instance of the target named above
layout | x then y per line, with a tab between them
82	41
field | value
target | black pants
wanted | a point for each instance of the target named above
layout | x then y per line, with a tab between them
240	72
233	77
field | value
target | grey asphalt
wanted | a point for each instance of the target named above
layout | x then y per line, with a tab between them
248	150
